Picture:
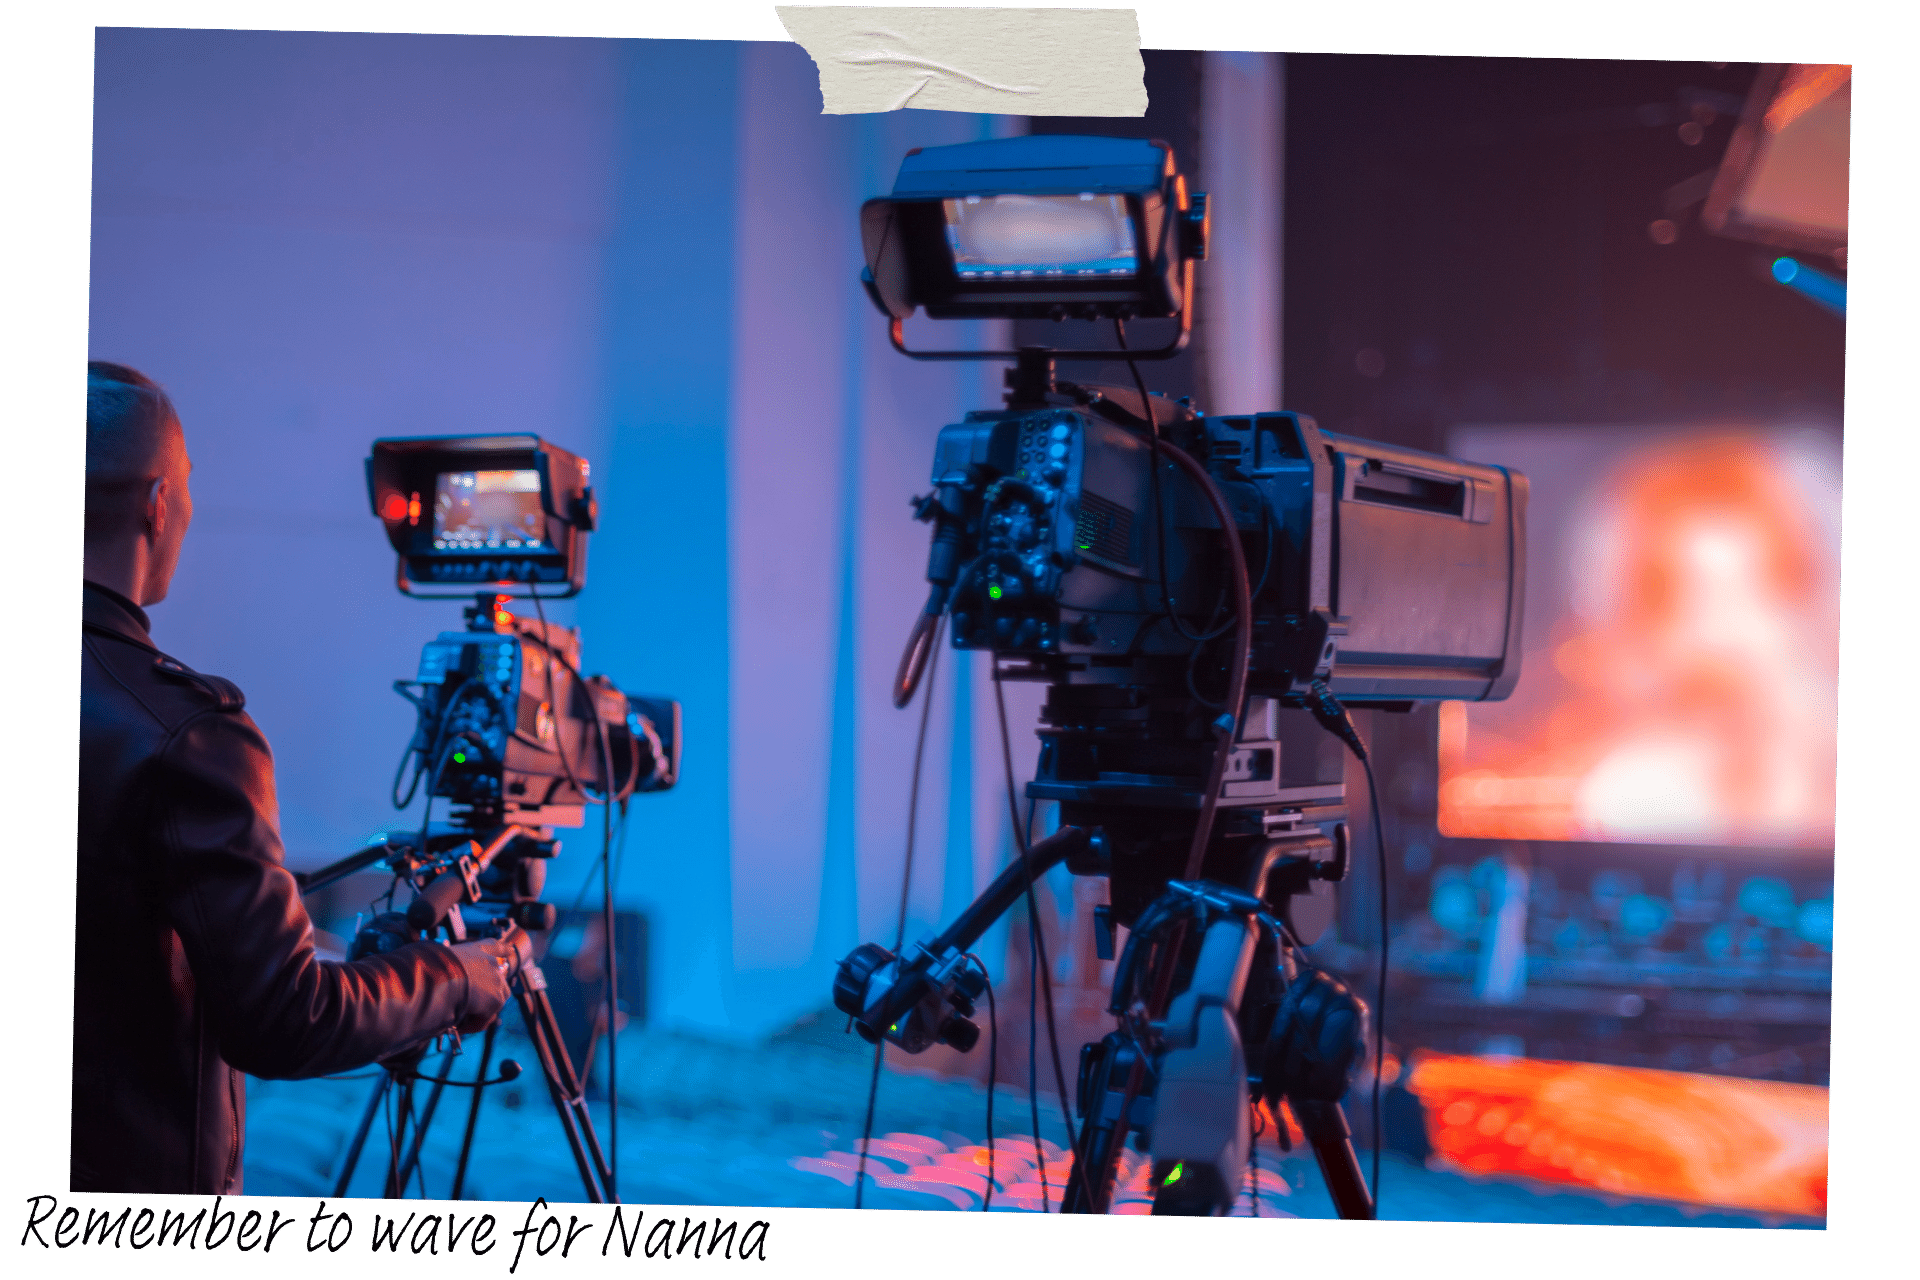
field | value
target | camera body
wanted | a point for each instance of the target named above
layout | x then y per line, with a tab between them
510	729
1391	574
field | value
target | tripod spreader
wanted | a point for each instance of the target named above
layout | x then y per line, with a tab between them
923	998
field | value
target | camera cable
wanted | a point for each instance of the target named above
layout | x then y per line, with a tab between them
1229	723
609	952
900	924
1226	727
1338	720
993	1070
442	754
553	701
1037	937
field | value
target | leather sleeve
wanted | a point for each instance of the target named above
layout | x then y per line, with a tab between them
276	1009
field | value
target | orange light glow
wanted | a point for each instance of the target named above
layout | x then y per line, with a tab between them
1669	1135
1802	87
1681	685
914	1162
413	509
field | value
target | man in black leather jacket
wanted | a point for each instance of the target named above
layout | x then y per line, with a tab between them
194	957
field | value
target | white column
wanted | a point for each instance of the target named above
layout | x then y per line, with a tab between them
1243	152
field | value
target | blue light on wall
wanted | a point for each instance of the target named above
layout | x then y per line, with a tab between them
646	251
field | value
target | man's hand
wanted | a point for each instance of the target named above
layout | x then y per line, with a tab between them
491	965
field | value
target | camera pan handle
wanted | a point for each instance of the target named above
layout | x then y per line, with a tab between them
449	889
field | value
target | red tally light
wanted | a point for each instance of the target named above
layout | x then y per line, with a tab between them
393	508
413	509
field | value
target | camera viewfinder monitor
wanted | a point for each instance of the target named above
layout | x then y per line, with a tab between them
1018	237
479	510
471	513
1035	227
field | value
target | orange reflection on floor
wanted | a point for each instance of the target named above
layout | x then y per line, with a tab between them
1669	1135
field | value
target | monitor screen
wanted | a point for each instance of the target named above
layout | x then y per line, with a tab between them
487	510
1680	675
1012	237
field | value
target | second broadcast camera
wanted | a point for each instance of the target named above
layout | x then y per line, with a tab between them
508	727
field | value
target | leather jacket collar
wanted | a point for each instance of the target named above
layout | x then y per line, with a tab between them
105	610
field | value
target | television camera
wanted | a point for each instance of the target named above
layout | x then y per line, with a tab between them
1198	682
512	736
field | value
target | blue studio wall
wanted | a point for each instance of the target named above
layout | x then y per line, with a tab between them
647	252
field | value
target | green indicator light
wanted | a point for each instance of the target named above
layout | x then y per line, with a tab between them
994	592
1084	546
459	757
1174	1176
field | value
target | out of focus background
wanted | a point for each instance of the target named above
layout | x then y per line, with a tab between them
1610	897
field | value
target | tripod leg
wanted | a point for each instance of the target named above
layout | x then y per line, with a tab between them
1090	1184
576	1095
473	1112
398	1135
360	1134
568	1103
1108	1069
1325	1125
425	1120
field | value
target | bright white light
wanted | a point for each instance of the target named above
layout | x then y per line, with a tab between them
1017	230
1651	788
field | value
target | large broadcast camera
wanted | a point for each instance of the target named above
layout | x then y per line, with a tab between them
511	734
1198	684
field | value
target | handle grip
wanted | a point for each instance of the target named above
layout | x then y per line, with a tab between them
433	903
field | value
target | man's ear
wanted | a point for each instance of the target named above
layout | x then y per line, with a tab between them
156	513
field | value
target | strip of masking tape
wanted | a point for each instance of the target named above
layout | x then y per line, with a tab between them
1026	62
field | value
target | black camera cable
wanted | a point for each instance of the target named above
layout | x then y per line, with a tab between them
1037	937
609	952
1229	723
553	701
425	748
1337	720
442	754
1033	1025
1226	727
1269	536
900	924
993	1069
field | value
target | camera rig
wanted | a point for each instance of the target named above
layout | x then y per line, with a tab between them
508	727
1204	597
514	737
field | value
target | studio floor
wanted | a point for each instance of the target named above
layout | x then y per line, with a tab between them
778	1124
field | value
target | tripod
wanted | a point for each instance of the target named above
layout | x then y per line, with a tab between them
496	874
1214	1003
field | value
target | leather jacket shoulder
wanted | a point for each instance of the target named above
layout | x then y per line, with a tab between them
194	957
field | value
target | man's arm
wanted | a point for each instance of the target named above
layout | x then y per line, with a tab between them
277	1010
